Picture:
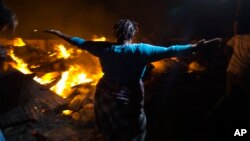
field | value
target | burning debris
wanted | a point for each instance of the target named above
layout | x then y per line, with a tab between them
54	69
60	69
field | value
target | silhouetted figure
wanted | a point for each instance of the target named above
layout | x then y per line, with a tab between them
8	20
233	109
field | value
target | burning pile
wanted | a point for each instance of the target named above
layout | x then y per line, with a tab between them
57	67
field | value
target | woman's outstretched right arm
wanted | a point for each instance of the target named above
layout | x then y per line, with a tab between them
66	37
95	48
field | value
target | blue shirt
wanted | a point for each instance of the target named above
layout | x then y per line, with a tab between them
126	63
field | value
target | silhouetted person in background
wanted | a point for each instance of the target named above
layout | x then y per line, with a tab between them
119	93
233	109
8	20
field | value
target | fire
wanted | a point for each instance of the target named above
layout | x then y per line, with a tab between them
70	78
47	78
18	42
20	64
195	67
67	112
62	52
95	38
61	82
61	86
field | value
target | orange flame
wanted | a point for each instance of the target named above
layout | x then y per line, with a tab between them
65	80
195	67
47	78
18	42
20	64
70	78
67	112
95	38
62	52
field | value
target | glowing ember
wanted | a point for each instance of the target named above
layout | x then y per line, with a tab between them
35	66
195	67
67	112
18	42
159	66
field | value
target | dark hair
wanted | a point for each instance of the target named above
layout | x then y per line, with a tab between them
125	29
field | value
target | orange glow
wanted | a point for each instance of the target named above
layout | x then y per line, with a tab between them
62	52
195	67
18	42
20	64
63	81
70	78
47	78
159	66
67	112
60	88
95	38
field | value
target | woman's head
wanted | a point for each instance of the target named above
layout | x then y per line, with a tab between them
124	30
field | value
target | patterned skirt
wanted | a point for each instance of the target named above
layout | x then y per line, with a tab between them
119	111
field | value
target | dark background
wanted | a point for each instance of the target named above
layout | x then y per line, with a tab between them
159	20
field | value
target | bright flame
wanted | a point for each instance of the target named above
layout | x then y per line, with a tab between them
70	78
18	42
62	52
20	64
95	38
61	86
60	82
47	78
67	112
79	76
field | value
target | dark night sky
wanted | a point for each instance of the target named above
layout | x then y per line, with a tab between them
159	20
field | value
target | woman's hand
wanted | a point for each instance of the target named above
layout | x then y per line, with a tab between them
200	43
59	34
204	42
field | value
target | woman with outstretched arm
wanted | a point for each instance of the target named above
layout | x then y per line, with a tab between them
119	94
